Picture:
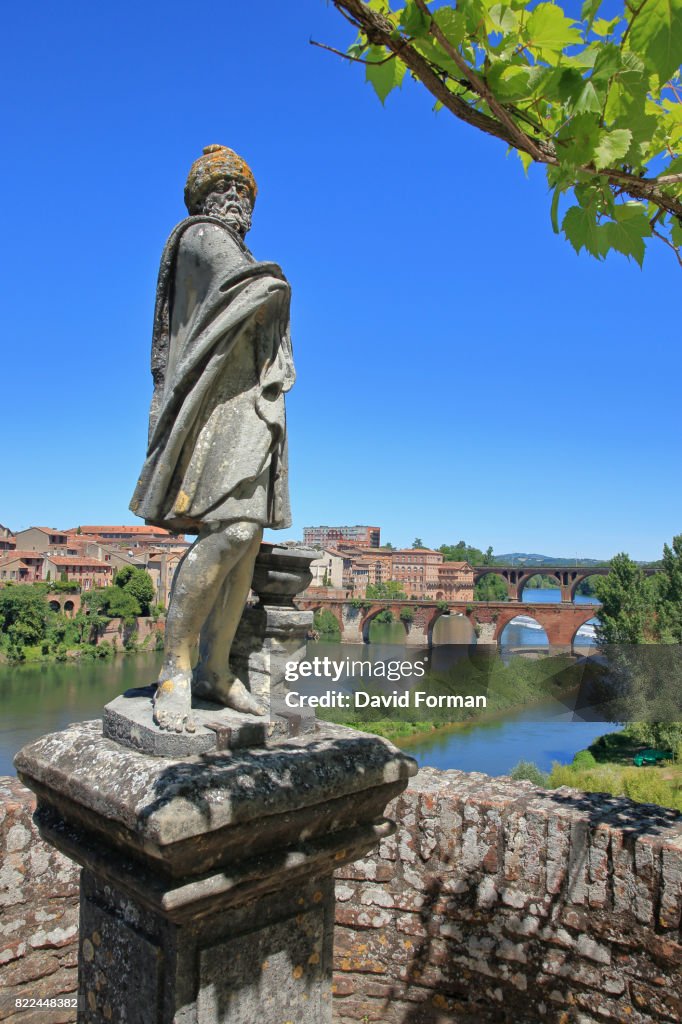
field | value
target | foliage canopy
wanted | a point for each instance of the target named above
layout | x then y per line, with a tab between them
597	99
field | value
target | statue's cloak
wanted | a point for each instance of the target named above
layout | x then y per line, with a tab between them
221	363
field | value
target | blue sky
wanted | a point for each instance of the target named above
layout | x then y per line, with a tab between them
461	372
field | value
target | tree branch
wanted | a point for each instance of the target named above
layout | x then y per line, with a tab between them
380	31
521	140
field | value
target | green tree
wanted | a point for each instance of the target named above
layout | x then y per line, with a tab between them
139	584
417	542
463	552
121	604
24	614
391	589
594	99
669	593
491	588
627	614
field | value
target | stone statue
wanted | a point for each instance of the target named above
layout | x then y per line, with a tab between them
216	462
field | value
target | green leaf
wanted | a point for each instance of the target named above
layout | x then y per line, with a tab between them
656	34
583	232
608	61
452	24
590	100
414	22
612	147
571	84
554	212
383	74
589	10
501	18
548	28
602	27
626	233
676	231
526	159
578	140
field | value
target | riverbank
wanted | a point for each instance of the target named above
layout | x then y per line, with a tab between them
606	766
507	687
116	636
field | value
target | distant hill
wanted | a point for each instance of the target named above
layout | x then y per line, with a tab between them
522	557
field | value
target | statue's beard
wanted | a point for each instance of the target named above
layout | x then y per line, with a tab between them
235	212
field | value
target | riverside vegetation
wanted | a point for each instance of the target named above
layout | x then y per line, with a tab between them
31	630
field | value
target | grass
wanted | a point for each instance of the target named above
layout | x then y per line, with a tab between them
606	767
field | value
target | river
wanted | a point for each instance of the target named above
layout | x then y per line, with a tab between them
37	699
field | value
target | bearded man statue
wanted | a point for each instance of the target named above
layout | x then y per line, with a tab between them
216	463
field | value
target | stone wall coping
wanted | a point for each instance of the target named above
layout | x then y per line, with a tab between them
163	801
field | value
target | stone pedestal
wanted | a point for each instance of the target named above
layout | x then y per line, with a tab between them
206	891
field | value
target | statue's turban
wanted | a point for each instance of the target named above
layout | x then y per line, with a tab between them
216	163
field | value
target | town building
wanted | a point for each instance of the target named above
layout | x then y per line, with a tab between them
330	536
19	566
328	570
41	538
455	582
87	572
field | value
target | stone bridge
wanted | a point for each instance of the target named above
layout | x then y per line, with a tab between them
69	604
560	622
568	577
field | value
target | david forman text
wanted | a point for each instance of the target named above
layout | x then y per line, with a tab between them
361	699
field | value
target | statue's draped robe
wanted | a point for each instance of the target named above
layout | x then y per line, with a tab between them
221	362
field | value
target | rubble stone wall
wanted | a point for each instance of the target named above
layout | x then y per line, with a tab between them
498	902
38	915
495	902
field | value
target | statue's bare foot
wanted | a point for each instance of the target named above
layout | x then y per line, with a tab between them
173	703
227	690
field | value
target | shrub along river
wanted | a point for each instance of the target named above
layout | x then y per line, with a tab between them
37	699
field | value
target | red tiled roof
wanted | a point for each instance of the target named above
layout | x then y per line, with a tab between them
95	563
154	531
24	553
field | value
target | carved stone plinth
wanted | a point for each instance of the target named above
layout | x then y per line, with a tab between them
206	890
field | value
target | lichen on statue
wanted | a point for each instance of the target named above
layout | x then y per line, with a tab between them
216	462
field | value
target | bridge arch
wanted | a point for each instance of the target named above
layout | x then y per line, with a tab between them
581	579
456	622
525	619
582	648
530	574
371	615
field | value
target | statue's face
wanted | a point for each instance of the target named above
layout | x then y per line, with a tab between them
230	200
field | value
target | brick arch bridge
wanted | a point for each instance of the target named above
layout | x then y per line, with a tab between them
560	622
568	577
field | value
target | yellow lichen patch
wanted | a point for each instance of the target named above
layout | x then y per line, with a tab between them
166	686
317	896
264	966
297	972
360	947
107	1011
340	855
301	902
96	938
345	964
314	958
88	950
92	1002
181	503
407	944
383	941
440	1001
